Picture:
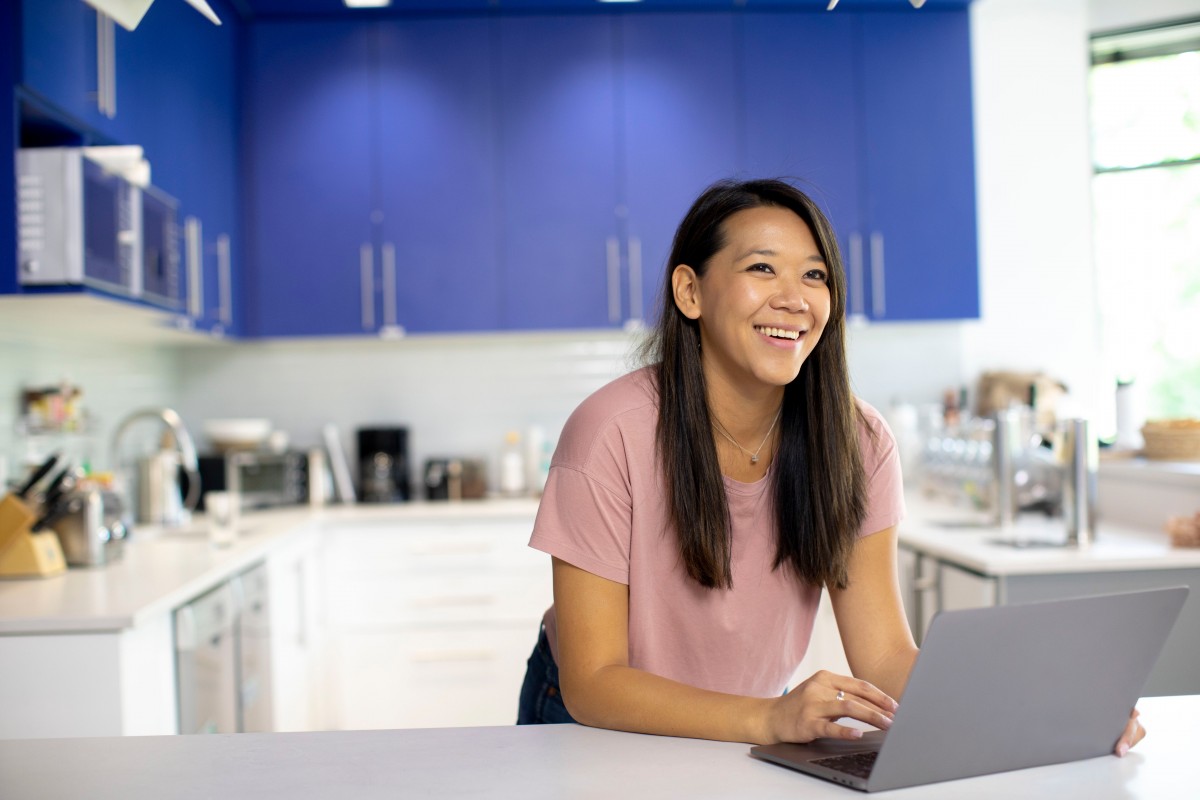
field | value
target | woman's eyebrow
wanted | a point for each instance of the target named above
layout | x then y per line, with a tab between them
815	257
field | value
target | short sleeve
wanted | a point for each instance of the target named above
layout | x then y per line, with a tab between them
585	523
881	464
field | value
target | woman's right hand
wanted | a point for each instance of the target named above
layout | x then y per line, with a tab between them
811	709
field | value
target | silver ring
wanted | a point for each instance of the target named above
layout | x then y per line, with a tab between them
840	696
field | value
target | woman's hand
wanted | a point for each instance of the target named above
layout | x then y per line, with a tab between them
809	711
1134	733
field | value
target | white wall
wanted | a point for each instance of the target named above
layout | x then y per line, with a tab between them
1030	62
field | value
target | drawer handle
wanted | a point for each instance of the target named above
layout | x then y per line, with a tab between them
455	600
430	656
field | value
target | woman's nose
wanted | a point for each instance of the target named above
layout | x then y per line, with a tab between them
791	297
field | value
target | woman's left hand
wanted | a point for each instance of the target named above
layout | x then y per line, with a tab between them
1134	733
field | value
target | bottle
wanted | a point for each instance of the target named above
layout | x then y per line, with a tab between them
512	466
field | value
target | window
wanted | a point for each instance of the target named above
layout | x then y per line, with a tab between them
1145	105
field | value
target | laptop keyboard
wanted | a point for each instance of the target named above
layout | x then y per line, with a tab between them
856	764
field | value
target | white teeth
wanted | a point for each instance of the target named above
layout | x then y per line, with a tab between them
778	333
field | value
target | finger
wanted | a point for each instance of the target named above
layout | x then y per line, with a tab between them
850	690
831	730
869	693
861	711
1129	737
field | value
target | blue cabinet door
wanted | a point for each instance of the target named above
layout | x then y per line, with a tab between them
679	133
919	161
308	99
558	173
438	188
801	116
59	57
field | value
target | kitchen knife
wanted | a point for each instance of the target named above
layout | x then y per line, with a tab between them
38	474
53	515
56	487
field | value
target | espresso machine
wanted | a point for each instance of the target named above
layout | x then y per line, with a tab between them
383	465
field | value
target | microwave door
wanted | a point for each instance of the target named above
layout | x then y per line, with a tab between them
160	251
108	230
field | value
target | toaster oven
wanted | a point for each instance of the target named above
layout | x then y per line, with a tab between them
260	480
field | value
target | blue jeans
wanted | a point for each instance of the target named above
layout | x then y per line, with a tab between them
541	699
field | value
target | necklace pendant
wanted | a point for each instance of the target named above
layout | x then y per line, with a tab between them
754	458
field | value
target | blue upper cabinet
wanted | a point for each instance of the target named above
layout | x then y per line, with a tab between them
309	99
800	113
439	226
679	133
559	245
920	235
61	59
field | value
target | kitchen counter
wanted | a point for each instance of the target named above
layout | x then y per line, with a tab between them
965	537
548	761
162	569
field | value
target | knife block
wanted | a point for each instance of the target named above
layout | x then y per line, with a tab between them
24	554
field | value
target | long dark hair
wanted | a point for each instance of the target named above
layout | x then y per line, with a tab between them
819	486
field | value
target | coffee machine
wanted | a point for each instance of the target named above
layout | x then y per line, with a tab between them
383	465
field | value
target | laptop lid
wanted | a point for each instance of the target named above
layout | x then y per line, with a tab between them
1009	687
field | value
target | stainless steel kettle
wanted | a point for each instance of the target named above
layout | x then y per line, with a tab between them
160	498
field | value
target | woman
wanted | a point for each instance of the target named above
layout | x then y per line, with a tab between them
696	507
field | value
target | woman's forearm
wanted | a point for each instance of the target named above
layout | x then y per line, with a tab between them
628	699
891	670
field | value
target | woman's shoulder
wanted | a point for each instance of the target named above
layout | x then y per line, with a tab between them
624	408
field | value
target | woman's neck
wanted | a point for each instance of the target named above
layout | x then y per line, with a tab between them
745	428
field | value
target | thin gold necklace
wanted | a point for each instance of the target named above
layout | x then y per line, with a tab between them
754	455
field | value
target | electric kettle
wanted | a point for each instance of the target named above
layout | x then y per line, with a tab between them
160	499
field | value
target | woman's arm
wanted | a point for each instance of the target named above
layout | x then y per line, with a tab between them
870	615
601	689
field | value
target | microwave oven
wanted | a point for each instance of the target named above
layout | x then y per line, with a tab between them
260	480
77	223
83	225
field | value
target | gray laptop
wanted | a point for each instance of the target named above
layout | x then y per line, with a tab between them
1004	688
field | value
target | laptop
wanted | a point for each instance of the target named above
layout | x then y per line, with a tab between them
1003	688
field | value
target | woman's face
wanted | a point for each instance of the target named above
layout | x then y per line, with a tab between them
764	300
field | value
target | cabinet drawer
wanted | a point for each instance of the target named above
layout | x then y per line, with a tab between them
423	679
373	602
459	547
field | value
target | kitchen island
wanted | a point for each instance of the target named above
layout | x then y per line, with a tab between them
556	762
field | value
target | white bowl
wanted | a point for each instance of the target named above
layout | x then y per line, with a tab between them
238	434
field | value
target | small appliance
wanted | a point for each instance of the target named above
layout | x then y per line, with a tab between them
455	479
383	465
259	479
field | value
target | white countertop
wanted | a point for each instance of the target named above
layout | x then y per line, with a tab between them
161	570
962	536
556	762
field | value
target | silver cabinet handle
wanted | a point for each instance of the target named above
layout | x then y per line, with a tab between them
102	63
635	278
112	66
194	256
225	278
366	264
857	304
878	300
389	284
613	257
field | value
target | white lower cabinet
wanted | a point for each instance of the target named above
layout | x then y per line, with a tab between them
295	685
429	624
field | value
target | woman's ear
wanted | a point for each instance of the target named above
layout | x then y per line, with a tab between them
685	285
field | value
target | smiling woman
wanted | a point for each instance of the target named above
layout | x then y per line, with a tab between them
695	508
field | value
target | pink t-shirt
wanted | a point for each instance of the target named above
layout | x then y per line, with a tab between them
604	510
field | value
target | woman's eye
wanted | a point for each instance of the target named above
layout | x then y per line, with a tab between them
761	267
817	275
